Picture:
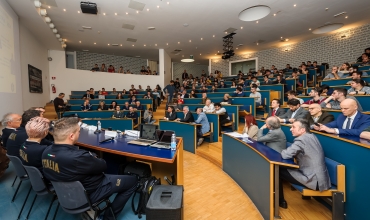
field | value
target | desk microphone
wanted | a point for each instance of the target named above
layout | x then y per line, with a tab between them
107	140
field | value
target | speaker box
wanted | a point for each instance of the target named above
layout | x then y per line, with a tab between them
165	203
89	8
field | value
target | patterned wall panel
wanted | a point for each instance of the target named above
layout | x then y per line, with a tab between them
85	61
332	49
196	70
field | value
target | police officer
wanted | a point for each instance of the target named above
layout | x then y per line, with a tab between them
117	113
63	161
132	114
19	136
31	151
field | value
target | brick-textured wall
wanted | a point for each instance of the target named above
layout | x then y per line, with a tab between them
86	61
330	49
196	70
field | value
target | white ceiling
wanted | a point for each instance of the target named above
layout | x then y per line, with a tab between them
205	18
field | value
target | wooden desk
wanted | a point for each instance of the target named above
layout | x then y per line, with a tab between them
255	167
187	131
164	162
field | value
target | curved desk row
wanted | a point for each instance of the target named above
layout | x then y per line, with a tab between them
255	167
354	153
163	162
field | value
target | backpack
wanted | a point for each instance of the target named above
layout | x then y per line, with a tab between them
145	185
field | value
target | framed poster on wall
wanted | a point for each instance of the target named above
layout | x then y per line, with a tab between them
34	79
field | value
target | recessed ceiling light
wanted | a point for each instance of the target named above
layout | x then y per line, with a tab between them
326	9
127	13
309	29
137	12
178	42
257	22
257	44
346	17
115	13
168	3
213	35
281	37
48	6
80	41
274	14
254	13
186	25
103	13
190	41
294	5
201	38
108	44
327	28
94	43
133	45
157	6
144	45
64	9
200	54
287	39
236	48
216	54
155	44
218	51
147	9
225	32
121	45
78	12
167	43
241	27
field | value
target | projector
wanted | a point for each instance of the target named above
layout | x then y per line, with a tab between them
89	8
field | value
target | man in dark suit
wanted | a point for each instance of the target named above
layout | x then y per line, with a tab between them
351	122
188	117
184	75
170	114
184	95
276	110
295	111
132	114
317	115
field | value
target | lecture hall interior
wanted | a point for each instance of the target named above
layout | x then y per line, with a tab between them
267	99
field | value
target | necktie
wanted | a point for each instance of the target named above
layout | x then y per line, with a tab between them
184	116
348	125
273	112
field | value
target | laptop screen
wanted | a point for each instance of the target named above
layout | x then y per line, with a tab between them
166	137
147	131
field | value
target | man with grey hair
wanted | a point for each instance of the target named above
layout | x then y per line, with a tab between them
188	117
306	149
275	138
11	122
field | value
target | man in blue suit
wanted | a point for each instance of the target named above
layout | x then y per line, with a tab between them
203	120
351	122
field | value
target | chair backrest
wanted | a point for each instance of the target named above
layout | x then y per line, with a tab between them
332	167
71	195
37	180
19	169
211	126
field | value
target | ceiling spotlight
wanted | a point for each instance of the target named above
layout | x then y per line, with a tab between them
168	3
43	12
57	35
213	35
287	39
121	45
190	41
47	19
155	44
55	31
254	13
294	5
157	6
167	43
281	37
37	4
127	13
94	43
257	22
241	27
144	45
326	9
64	45
178	42
200	54
236	48
133	45
51	25
137	12
79	41
201	38
346	17
60	39
147	9
78	12
115	13
64	9
103	13
225	32
309	29
108	44
48	6
274	14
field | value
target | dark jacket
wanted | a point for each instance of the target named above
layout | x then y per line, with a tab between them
31	153
5	135
280	112
360	122
132	115
171	117
187	118
324	118
66	163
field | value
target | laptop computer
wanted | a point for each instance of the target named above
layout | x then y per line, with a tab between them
164	139
147	135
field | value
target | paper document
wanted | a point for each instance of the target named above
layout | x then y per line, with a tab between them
234	134
110	133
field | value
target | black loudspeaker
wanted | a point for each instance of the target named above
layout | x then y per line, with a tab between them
165	203
89	8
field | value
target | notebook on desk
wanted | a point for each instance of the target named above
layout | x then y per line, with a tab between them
164	139
147	135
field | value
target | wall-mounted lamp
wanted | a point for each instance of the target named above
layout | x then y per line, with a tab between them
286	50
343	36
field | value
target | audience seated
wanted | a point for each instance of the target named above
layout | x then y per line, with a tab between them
103	68
365	60
188	117
334	74
112	106
138	106
266	80
148	116
339	94
275	138
233	84
222	85
86	106
357	75
88	95
293	95
213	89
358	88
315	93
111	69
119	96
350	122
10	122
256	95
103	92
306	149
226	100
209	107
276	110
255	81
132	114
117	113
318	116
250	127
170	114
295	112
100	95
31	151
366	53
121	70
239	92
326	90
223	116
102	106
71	163
133	100
193	94
203	120
95	68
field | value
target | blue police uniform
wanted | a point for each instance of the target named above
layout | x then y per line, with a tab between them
63	162
30	154
132	115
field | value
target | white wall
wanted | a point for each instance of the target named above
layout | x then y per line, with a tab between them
167	68
10	77
35	54
68	80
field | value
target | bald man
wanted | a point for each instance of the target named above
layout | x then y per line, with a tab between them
351	122
317	115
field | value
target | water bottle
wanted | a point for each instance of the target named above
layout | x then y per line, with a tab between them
98	126
173	142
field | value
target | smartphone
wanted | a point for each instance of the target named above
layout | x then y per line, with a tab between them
317	124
